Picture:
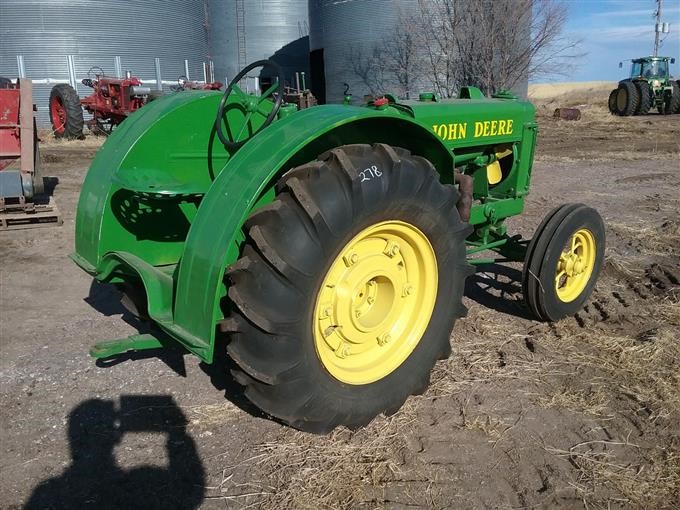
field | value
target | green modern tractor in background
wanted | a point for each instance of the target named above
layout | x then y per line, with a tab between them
649	86
327	247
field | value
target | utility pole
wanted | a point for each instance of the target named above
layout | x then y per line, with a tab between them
657	27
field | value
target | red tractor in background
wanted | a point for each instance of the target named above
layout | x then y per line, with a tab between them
111	101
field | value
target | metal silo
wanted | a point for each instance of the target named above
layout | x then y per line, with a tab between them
243	31
94	32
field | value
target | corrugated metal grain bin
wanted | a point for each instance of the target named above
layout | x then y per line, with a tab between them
243	31
44	32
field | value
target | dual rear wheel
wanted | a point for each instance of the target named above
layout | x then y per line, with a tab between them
637	98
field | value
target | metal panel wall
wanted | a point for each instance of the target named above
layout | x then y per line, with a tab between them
267	27
95	31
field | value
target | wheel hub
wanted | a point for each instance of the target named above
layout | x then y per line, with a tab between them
58	115
575	265
375	302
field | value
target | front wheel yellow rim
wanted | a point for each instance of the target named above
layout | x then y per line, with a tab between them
375	302
575	265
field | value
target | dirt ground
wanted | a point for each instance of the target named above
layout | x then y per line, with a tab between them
584	413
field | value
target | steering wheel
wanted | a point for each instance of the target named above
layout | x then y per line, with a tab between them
95	72
250	103
182	82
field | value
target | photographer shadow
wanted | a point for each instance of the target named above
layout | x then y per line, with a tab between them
96	480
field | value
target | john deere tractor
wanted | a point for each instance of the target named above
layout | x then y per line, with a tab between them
649	86
326	247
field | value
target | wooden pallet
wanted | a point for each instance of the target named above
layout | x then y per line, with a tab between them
32	216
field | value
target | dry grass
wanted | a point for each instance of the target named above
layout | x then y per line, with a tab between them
604	479
661	239
341	470
48	140
539	91
632	377
645	370
208	415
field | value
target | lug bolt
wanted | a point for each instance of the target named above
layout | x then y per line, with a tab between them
384	339
408	290
342	351
357	313
392	250
350	259
370	300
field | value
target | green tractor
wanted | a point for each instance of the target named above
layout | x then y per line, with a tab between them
650	85
326	247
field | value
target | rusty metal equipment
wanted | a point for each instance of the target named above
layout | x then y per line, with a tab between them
184	83
567	113
21	185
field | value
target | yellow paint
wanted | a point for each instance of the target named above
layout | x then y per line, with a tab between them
575	266
482	129
375	302
451	131
493	128
494	173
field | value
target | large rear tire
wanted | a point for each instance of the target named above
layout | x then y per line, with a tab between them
612	102
627	98
645	94
66	114
348	288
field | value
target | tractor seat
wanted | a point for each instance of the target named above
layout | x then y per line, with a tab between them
157	183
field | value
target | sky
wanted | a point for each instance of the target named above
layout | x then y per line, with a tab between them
612	31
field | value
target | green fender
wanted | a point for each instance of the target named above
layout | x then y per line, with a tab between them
212	243
245	182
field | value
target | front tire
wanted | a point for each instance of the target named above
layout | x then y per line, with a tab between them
563	261
348	288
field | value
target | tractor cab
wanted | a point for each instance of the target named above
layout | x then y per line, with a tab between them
650	68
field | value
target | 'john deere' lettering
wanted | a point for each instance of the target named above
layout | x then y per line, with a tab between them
458	130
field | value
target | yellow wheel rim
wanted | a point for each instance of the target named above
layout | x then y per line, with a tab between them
575	266
375	302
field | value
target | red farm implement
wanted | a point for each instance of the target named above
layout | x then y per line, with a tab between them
21	185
